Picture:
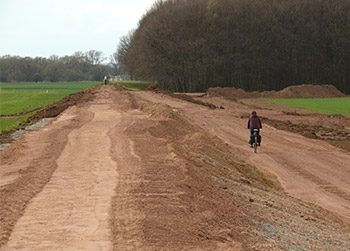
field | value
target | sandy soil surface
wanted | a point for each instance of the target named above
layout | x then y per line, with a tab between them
127	170
307	169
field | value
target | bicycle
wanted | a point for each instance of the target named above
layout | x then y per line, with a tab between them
256	140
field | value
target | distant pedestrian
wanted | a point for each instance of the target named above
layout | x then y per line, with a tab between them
106	80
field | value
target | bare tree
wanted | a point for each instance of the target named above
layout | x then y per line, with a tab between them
67	68
95	57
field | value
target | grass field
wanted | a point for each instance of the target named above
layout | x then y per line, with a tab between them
321	105
21	97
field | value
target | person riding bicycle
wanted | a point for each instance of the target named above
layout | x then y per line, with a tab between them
254	123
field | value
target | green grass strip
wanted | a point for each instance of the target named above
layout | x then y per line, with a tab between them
321	105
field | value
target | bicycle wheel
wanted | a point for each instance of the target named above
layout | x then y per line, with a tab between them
255	145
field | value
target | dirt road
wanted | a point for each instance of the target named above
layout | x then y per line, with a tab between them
311	170
144	171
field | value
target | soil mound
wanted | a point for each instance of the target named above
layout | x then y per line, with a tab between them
121	88
159	110
311	91
299	91
159	89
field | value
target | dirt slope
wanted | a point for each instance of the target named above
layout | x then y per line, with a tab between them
146	171
299	91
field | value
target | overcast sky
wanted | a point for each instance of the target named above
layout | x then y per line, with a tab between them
61	27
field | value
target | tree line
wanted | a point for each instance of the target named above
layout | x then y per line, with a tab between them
191	45
80	66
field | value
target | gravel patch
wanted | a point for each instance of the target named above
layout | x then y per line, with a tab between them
41	123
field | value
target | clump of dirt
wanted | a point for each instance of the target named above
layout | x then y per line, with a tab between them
192	100
158	110
118	87
310	91
298	91
337	136
159	89
6	137
165	112
52	110
320	115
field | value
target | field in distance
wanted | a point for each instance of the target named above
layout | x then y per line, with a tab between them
20	98
16	98
321	105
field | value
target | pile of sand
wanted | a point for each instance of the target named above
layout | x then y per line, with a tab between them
159	89
299	91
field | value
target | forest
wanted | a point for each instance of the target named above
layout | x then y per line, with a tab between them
191	45
80	66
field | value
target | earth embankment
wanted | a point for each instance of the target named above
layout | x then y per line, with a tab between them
299	91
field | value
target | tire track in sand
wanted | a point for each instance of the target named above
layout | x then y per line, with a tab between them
72	211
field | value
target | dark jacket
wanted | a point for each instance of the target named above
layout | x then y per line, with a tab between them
254	122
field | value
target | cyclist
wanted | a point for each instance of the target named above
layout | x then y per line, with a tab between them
254	123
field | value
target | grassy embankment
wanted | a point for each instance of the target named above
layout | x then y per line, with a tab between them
18	98
321	105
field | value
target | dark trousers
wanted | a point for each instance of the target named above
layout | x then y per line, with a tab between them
252	136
